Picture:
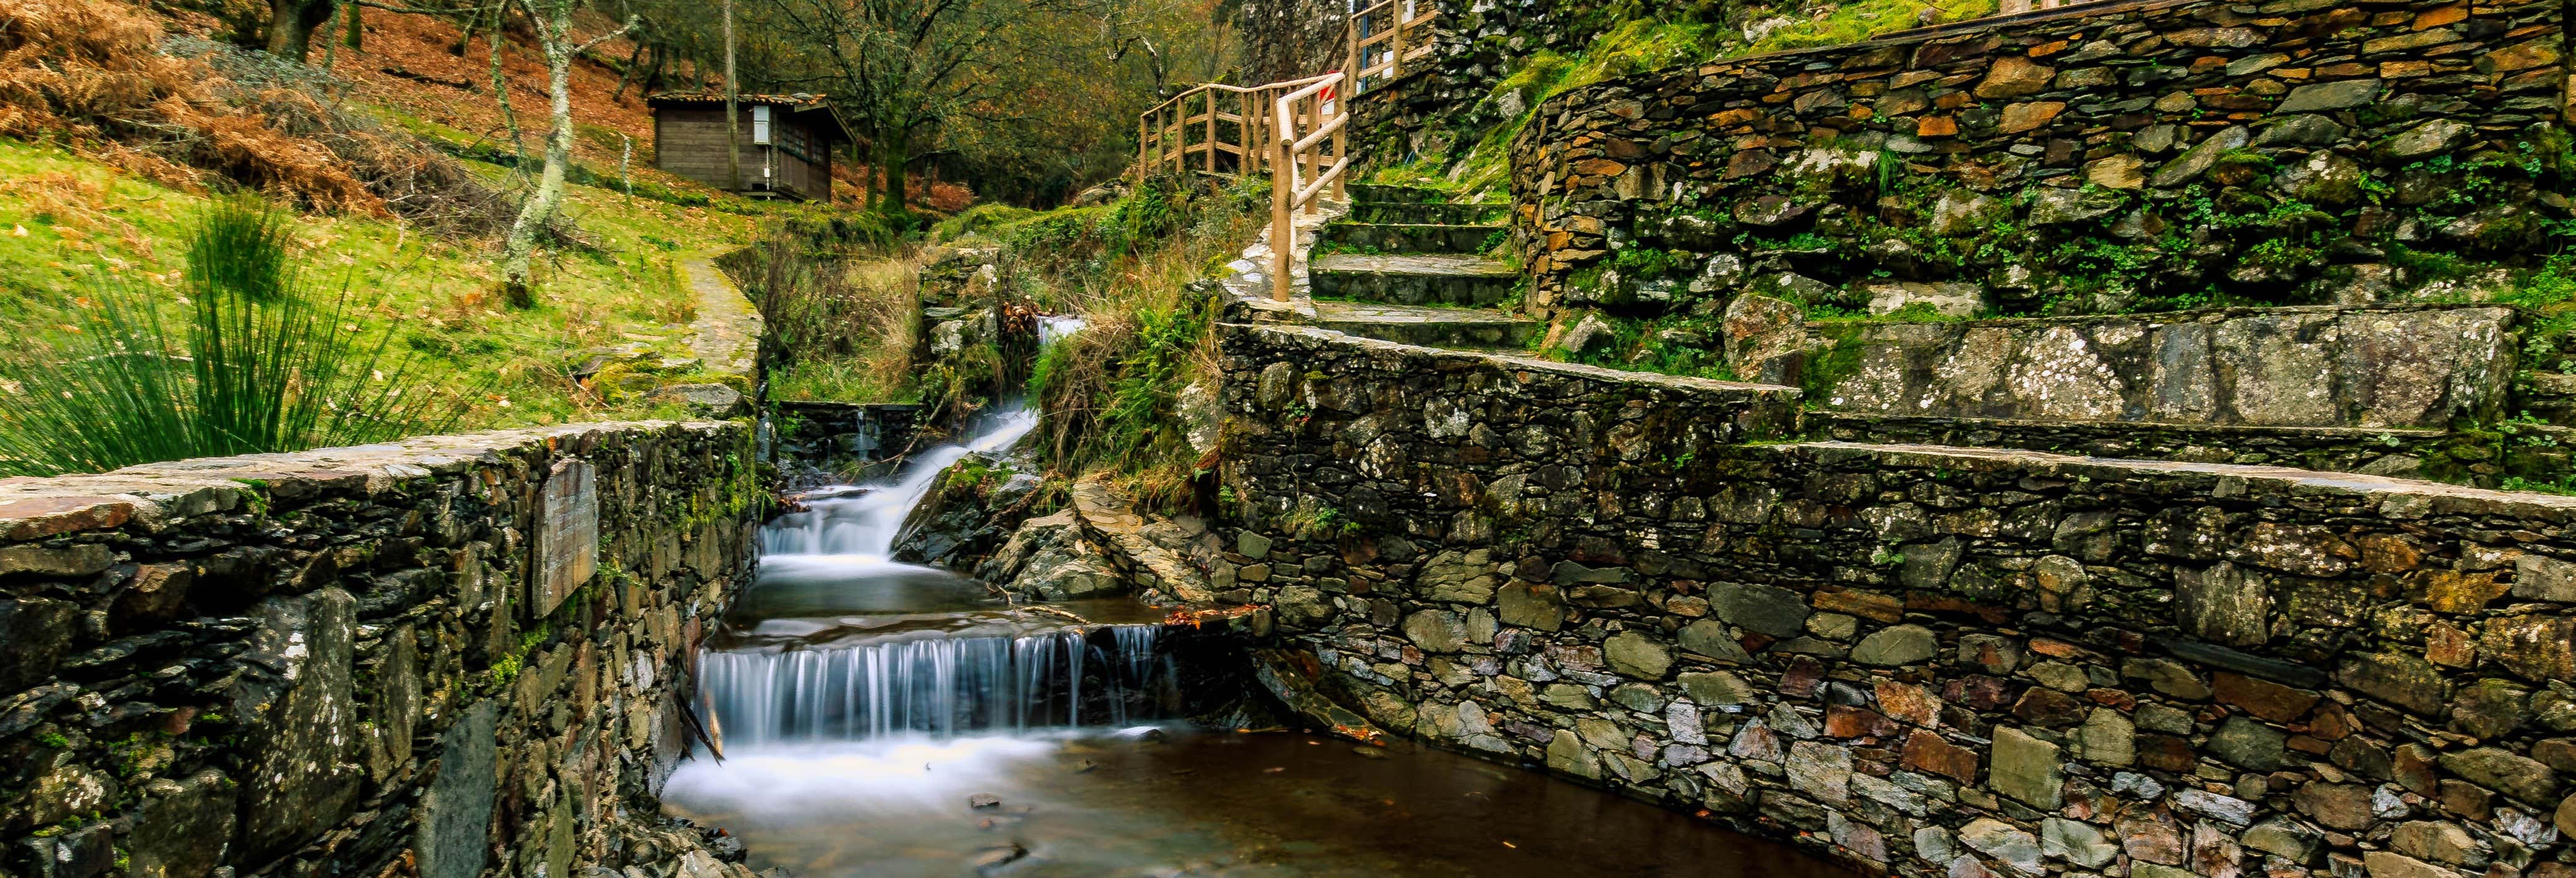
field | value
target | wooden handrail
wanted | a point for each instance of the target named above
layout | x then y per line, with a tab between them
1191	129
1391	40
1305	120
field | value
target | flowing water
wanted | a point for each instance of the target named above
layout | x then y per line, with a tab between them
885	720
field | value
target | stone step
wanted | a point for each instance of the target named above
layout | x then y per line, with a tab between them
1413	280
1412	237
1438	214
1386	192
1429	326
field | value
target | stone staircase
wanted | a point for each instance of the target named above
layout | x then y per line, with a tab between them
1406	265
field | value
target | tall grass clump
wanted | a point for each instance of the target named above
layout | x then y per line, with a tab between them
1113	394
836	329
260	363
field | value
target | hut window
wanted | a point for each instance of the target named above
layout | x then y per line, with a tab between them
760	125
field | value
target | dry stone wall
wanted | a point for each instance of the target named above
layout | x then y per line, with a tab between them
444	657
2277	367
1937	661
2144	155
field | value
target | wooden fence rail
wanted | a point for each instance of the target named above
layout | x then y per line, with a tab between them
1215	128
1385	39
1294	129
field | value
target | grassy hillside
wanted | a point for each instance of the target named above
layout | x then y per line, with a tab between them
71	223
77	211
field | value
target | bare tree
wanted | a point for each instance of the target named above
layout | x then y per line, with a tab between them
553	27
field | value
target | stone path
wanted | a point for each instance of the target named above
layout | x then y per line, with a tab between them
726	335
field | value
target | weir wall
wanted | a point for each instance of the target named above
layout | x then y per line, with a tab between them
1935	661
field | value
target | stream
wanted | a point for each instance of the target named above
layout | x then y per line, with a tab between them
886	720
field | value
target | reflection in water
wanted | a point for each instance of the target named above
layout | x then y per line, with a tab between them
1107	803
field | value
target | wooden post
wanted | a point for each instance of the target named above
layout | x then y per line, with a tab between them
1341	142
1351	18
1283	229
1210	97
733	125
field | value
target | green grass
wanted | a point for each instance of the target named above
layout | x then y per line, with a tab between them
65	219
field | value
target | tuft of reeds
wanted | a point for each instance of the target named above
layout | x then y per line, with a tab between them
262	363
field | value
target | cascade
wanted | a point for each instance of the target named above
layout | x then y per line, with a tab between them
827	567
942	686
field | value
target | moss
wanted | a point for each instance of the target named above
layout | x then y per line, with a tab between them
1828	369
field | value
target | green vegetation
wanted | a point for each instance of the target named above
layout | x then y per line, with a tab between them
838	329
1113	393
1866	19
1678	345
264	363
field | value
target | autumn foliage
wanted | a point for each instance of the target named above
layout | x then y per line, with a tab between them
89	74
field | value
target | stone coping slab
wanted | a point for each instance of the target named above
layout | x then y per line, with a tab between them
2399	498
33	508
2196	315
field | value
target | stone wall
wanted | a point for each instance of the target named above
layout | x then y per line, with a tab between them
2275	367
1937	661
443	657
2482	457
1444	102
2141	156
816	443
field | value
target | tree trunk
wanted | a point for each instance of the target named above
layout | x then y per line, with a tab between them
521	245
894	152
291	24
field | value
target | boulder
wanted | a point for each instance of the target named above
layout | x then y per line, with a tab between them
2193	162
2435	137
303	750
2057	207
1585	335
2324	96
1766	339
968	513
2014	76
1961	214
1046	558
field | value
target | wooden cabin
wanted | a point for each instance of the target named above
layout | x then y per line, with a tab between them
786	140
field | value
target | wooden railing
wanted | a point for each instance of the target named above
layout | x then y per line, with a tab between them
1386	38
1195	132
1293	128
1306	122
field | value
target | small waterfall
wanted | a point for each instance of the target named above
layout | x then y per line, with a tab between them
827	567
942	686
863	525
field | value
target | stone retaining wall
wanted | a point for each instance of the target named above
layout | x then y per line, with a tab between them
2283	152
1938	661
821	442
2280	367
443	657
2482	457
